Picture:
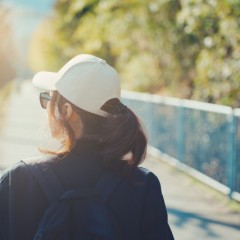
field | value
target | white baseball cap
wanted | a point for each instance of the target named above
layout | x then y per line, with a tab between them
86	81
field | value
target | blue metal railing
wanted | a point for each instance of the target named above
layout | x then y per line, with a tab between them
205	137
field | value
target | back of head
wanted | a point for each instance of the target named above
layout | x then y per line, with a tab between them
92	87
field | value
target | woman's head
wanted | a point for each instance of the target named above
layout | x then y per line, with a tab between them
86	81
88	107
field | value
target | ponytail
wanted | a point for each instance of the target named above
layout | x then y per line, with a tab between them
122	135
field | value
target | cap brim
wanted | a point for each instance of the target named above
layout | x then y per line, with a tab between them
45	80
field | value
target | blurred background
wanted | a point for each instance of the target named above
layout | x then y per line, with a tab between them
158	46
185	52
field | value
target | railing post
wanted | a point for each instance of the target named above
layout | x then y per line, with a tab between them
232	153
181	134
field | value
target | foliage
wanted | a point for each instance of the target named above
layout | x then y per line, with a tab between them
7	51
214	26
184	48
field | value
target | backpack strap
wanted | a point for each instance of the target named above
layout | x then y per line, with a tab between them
48	180
106	185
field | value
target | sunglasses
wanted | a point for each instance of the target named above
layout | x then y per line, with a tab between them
44	99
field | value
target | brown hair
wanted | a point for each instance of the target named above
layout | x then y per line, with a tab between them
118	134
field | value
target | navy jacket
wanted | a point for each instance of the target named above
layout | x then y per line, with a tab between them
139	208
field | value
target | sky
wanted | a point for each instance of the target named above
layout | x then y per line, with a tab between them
24	18
37	5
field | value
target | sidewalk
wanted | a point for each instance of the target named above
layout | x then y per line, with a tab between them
195	212
22	125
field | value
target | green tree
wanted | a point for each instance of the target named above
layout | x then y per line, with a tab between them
7	51
187	49
212	32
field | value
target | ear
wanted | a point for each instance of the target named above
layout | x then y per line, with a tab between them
67	111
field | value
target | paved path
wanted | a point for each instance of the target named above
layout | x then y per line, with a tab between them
195	213
22	125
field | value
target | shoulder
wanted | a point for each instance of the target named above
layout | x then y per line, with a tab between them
17	169
15	179
144	180
20	172
152	184
146	175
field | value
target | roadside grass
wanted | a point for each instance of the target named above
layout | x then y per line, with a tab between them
4	94
5	91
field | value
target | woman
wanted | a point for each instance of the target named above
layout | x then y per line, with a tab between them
99	137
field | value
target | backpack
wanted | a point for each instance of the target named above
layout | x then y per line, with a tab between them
77	214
